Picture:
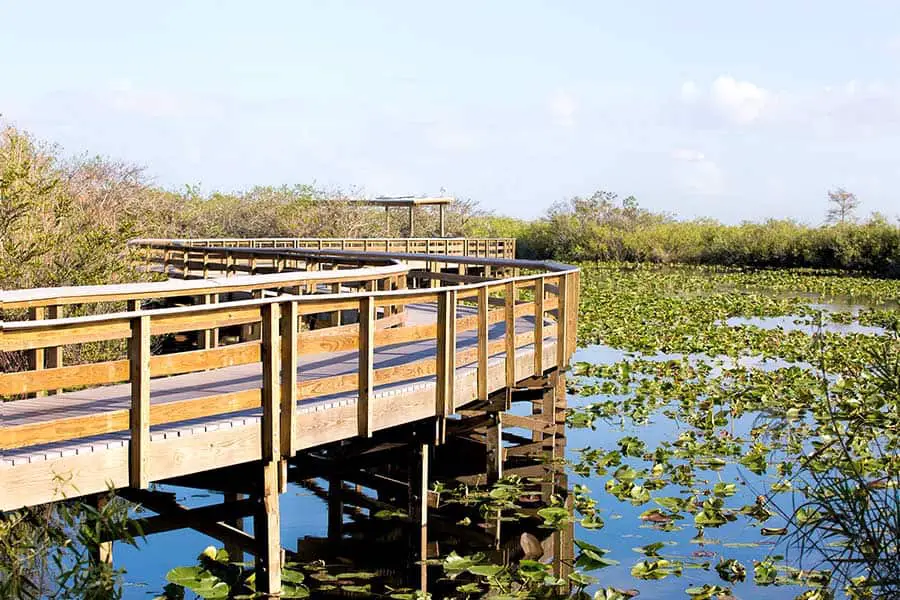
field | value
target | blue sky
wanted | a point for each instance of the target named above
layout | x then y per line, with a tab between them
731	110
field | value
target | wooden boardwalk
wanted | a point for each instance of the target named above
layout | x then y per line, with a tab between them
283	350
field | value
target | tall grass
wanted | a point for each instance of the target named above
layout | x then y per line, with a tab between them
849	483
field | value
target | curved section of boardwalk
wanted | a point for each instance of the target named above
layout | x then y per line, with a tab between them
412	354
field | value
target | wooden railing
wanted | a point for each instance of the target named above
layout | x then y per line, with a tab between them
472	247
547	289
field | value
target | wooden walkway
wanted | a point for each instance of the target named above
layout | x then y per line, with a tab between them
424	343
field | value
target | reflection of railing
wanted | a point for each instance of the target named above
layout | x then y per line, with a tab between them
548	289
482	247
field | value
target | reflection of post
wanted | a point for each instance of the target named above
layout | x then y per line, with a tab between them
563	541
335	509
235	553
494	435
102	552
548	436
418	509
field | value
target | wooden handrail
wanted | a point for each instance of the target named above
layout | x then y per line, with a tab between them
281	343
489	247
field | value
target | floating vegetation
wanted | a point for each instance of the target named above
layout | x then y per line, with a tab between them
732	402
730	434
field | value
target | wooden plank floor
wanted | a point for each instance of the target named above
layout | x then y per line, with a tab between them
231	379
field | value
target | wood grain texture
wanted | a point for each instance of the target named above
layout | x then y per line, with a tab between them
476	350
139	413
366	370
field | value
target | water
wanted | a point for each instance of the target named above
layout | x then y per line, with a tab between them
304	514
624	530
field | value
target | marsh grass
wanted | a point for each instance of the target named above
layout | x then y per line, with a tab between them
849	517
46	551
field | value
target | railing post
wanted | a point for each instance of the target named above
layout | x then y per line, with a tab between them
510	333
289	337
271	381
36	357
336	317
139	416
562	323
185	264
539	326
54	354
366	365
482	342
446	354
210	336
575	288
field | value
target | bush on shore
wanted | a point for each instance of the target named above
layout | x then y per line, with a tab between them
600	228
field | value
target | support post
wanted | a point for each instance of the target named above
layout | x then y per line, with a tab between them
412	223
139	415
366	365
267	532
266	526
441	218
387	221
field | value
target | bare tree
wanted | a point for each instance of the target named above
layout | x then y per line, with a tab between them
842	206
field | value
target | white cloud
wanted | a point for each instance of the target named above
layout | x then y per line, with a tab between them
739	101
563	108
688	155
727	99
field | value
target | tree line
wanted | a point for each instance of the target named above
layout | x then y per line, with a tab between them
65	221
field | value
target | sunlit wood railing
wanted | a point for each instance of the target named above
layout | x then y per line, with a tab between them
377	298
472	247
